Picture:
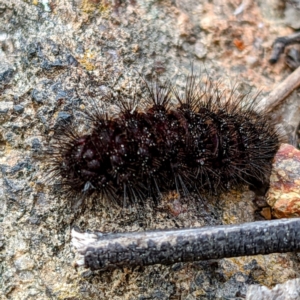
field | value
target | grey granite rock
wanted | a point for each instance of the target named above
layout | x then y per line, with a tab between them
59	57
290	290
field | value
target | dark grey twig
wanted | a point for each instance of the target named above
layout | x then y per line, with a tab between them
112	250
280	44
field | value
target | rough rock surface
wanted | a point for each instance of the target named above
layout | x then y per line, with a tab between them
57	57
290	290
284	193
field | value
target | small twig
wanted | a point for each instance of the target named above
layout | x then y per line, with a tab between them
292	82
280	44
109	251
282	91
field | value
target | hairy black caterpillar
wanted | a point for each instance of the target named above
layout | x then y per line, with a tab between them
209	142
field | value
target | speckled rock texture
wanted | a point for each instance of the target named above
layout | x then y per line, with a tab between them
57	58
290	290
284	193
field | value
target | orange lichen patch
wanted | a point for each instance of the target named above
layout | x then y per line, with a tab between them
239	44
284	192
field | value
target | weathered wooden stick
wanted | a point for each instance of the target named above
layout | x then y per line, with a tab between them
281	92
112	250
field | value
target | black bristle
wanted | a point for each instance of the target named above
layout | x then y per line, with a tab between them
208	143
